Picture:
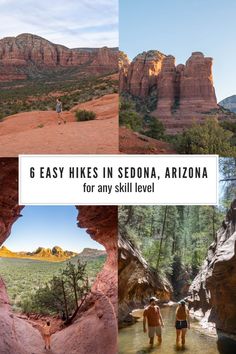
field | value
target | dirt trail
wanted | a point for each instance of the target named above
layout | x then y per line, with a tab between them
135	143
37	132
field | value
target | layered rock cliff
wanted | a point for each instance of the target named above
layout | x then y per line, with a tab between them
18	56
139	76
183	93
100	313
137	282
213	291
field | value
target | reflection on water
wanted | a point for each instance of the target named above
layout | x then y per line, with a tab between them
132	340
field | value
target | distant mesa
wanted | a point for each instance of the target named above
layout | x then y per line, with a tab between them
182	93
229	103
26	55
91	253
56	254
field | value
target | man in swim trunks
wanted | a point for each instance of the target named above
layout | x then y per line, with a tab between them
182	323
152	315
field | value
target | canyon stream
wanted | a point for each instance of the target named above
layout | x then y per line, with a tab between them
132	339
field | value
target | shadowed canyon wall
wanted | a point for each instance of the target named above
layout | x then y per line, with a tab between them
213	291
99	318
137	282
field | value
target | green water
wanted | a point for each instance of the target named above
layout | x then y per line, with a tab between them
132	340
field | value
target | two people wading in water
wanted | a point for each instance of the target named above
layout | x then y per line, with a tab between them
153	318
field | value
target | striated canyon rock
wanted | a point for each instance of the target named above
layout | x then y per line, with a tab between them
142	73
166	86
99	315
213	291
20	53
184	93
123	63
196	84
137	282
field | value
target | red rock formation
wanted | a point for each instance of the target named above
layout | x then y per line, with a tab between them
196	84
25	50
16	335
95	329
184	93
137	282
142	73
166	86
123	71
212	293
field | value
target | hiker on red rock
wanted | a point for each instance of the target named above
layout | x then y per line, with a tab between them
47	335
152	315
182	322
59	111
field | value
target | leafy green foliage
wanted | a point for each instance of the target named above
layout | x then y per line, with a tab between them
83	115
230	126
129	117
154	127
163	233
208	138
62	293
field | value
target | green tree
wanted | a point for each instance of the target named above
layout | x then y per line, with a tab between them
208	138
63	292
155	128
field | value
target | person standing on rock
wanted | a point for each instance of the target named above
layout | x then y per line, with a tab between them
182	323
59	112
47	335
152	316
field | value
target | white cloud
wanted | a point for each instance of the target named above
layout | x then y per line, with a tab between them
72	23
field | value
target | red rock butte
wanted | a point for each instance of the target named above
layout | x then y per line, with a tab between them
183	92
20	55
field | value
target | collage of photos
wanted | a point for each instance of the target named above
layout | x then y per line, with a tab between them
117	77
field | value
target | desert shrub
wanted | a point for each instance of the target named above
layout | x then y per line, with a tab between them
155	128
208	138
83	115
231	126
131	120
128	116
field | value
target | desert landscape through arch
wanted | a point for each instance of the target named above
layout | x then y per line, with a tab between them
96	326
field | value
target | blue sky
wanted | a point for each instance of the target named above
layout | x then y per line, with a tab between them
49	226
179	27
73	23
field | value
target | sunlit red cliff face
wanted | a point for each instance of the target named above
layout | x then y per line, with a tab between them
27	55
183	93
212	293
99	316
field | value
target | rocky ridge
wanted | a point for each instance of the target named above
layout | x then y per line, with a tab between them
28	53
229	103
56	254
